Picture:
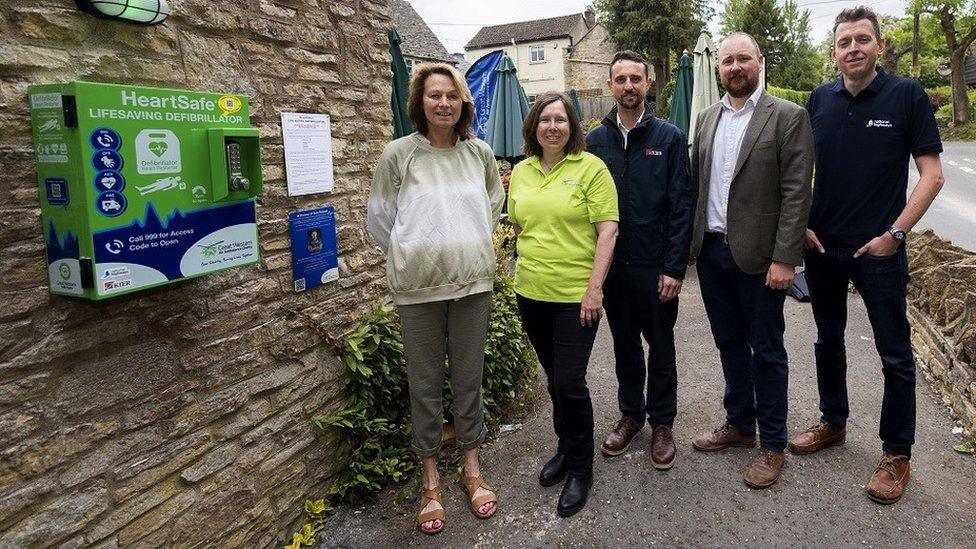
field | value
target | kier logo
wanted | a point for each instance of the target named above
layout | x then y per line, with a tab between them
648	151
112	285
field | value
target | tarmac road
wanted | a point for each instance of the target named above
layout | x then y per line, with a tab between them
702	501
953	214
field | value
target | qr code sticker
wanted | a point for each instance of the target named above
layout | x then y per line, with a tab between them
300	285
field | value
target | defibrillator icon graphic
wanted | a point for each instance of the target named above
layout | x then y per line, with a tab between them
158	151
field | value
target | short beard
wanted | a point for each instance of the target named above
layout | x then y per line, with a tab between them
737	94
637	103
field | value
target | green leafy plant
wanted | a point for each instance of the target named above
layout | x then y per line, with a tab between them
798	97
372	424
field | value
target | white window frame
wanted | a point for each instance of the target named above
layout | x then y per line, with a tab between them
537	49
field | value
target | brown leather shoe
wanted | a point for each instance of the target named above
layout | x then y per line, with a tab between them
663	451
765	469
619	438
888	482
722	438
816	438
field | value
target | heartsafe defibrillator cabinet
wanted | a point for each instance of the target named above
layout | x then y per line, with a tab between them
140	187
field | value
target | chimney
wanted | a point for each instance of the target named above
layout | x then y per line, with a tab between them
589	17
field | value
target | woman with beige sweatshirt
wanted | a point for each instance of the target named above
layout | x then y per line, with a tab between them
435	200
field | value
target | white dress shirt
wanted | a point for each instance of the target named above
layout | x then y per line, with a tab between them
731	128
623	129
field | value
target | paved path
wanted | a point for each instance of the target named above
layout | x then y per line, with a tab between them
702	501
951	215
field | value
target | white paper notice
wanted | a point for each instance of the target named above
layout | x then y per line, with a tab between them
308	152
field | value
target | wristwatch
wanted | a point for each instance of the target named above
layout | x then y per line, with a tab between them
897	234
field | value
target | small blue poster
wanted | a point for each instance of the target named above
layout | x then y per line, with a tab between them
314	259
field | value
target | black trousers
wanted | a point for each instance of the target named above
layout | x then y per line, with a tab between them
564	347
630	296
882	283
747	323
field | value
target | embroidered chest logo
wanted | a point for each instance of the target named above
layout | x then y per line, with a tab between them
570	182
649	151
878	123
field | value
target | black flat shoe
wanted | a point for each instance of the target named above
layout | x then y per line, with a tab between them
554	471
573	497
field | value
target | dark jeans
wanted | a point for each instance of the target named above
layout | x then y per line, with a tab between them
882	283
630	296
564	346
747	323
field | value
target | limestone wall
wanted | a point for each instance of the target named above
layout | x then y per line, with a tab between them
588	67
942	297
179	416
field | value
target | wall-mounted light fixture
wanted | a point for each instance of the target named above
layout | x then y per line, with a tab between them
143	12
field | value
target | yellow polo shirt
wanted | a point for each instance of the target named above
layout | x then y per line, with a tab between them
556	213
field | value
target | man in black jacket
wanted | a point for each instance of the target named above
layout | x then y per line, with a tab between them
648	159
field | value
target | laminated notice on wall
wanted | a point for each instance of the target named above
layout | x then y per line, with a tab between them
308	153
314	259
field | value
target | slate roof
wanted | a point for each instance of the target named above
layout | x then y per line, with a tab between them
525	31
418	40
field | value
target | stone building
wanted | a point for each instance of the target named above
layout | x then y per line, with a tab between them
420	45
179	416
557	53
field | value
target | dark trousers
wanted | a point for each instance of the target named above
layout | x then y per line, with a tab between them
882	283
563	347
747	323
630	297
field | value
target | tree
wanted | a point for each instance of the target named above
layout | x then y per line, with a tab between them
764	21
657	29
783	35
801	69
958	23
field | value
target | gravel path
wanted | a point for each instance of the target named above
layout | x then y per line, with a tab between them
702	501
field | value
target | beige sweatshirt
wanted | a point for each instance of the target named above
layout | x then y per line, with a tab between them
433	211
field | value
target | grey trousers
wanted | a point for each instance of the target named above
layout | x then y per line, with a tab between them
457	329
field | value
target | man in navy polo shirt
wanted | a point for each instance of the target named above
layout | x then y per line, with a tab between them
865	126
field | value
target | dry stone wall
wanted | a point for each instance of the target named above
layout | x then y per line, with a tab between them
942	297
179	416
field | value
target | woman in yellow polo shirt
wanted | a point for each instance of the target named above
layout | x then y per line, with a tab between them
563	204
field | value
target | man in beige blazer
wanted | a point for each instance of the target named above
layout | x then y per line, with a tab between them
752	162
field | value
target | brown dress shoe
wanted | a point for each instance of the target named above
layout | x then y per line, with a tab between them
888	482
722	438
663	451
619	438
765	469
816	438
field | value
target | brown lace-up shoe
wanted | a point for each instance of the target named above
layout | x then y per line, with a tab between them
816	438
765	469
722	438
663	451
888	482
619	438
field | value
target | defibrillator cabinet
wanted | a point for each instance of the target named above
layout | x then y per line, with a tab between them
140	187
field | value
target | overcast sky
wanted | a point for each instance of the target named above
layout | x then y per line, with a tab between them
456	22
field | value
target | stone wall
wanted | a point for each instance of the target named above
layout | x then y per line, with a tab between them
180	416
588	67
942	297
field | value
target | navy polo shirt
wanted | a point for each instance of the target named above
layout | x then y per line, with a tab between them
862	145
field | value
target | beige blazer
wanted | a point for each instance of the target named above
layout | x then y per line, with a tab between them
769	198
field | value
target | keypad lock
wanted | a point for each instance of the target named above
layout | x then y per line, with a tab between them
235	168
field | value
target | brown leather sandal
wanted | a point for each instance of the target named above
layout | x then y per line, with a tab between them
427	496
470	485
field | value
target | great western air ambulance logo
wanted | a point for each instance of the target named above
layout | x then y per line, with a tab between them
229	104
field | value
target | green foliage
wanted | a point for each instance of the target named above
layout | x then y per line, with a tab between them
798	97
657	29
783	35
372	424
315	514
